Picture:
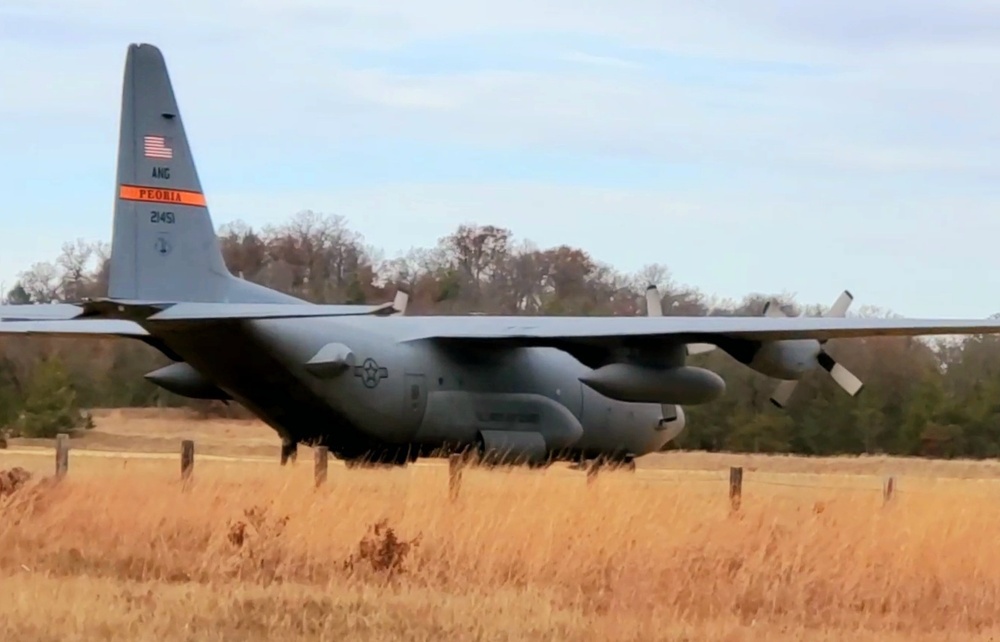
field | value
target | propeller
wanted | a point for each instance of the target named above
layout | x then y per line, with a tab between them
399	303
844	377
654	308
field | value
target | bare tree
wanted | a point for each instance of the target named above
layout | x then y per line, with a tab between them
41	283
74	265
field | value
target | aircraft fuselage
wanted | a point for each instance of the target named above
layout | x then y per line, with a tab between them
391	395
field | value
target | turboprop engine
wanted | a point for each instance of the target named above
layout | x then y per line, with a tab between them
637	383
790	359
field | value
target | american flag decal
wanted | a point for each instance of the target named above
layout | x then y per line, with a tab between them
156	147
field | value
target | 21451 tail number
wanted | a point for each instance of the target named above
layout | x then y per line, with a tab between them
161	217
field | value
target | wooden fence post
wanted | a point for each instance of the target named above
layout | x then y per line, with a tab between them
735	486
888	488
187	459
454	475
62	455
321	459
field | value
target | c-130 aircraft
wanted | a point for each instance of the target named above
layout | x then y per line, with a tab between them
374	385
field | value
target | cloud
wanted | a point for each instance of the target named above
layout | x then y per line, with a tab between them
871	27
782	85
774	124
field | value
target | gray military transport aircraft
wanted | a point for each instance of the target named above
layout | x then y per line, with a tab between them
375	385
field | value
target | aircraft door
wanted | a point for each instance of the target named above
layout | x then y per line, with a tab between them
415	398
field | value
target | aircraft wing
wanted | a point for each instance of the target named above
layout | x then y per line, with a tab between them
29	312
80	328
516	331
541	331
111	309
250	311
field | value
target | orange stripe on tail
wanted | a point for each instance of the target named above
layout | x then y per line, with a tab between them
161	195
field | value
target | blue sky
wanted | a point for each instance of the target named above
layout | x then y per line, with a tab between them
770	146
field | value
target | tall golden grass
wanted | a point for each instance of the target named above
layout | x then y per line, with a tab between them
123	551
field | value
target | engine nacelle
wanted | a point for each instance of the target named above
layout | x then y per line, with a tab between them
181	379
510	446
786	359
642	384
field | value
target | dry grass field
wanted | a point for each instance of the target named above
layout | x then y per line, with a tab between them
122	550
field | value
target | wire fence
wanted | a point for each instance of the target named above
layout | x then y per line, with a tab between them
706	480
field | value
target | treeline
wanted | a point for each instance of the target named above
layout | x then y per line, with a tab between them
921	397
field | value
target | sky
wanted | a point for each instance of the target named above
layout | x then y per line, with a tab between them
749	146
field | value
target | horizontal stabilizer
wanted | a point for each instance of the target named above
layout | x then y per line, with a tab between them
32	312
131	310
251	311
75	328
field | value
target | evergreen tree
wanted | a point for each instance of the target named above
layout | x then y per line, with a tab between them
50	405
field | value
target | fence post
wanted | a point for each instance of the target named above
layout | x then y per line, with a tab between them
735	486
454	475
321	459
888	488
187	459
62	455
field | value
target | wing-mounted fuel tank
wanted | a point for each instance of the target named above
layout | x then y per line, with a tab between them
181	379
637	383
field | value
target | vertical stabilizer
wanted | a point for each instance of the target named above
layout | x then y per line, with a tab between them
164	246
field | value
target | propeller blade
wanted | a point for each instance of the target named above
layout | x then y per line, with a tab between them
699	348
773	309
840	306
399	303
850	383
654	305
654	308
783	393
844	377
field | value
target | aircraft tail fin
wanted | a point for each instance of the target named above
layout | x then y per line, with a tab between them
164	245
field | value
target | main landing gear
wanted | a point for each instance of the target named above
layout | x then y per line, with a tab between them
373	457
624	463
289	451
383	457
